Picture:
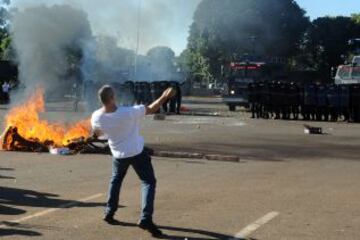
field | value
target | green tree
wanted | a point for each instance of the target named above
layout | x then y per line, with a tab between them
326	42
5	39
194	63
356	17
162	62
223	30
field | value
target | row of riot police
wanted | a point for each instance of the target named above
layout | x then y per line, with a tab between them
130	93
317	102
145	93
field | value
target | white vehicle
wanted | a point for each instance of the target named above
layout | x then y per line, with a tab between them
349	74
356	61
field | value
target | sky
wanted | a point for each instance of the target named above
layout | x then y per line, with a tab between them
166	22
319	8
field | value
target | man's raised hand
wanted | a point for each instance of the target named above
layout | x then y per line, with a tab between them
169	93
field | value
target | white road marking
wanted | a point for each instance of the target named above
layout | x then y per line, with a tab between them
51	210
256	225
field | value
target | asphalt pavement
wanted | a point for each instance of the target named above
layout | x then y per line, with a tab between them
287	185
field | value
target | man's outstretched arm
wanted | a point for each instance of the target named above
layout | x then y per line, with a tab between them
156	105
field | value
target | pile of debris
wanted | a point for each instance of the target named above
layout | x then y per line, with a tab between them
13	141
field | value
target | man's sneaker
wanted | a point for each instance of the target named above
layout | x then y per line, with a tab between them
110	220
150	227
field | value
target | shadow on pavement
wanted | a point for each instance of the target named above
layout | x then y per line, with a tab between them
4	210
6	177
28	198
21	197
18	232
6	169
182	231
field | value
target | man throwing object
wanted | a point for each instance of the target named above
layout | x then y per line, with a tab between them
122	127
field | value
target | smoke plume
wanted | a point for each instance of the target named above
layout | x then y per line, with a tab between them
53	37
162	22
44	38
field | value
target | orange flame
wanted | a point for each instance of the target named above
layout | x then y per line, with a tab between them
26	118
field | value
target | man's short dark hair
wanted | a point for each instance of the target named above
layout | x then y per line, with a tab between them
106	94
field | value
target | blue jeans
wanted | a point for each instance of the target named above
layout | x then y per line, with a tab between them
144	169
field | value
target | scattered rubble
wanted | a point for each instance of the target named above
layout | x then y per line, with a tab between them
313	130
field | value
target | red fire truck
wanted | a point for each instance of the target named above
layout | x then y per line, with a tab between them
242	73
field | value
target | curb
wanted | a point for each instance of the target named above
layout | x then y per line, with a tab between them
209	157
178	154
223	158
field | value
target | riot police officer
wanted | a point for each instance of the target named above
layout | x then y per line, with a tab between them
155	90
251	91
264	100
321	103
175	102
333	99
294	100
259	106
301	98
277	99
271	104
163	86
257	95
5	92
309	101
146	93
355	103
137	92
285	107
345	101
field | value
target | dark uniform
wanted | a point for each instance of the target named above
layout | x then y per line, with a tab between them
321	103
4	93
333	99
139	93
285	107
2	96
259	107
294	100
301	99
146	93
175	102
256	95
271	103
277	99
155	91
309	101
264	100
163	86
344	101
251	91
355	103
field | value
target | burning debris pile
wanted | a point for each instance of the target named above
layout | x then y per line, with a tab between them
25	131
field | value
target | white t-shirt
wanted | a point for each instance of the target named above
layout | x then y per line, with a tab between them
122	129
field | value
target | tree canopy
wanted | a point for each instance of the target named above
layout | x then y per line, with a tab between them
356	17
162	62
327	41
5	39
225	29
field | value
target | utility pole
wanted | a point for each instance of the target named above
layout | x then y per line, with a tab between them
253	42
137	38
